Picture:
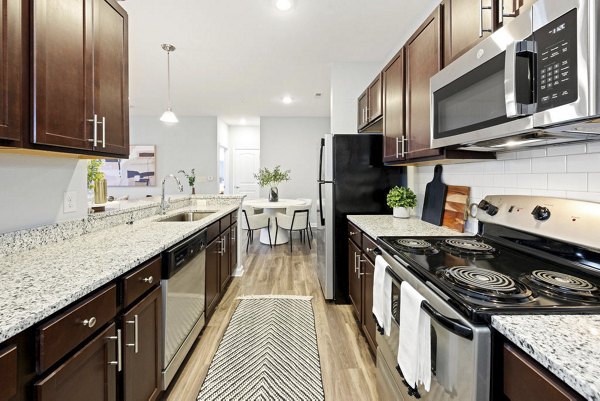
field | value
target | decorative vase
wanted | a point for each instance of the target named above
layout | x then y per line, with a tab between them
401	212
273	194
100	191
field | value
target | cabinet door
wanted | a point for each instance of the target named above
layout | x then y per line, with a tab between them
90	374
466	22
393	108
111	89
213	287
374	108
511	8
142	358
63	73
423	60
11	71
233	249
8	373
368	322
225	260
354	280
362	109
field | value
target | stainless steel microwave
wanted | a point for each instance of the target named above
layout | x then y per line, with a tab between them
533	82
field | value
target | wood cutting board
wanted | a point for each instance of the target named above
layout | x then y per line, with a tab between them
456	207
435	198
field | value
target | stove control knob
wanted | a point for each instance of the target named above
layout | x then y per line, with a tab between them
492	210
484	205
541	213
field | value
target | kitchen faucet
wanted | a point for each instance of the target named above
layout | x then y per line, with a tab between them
163	204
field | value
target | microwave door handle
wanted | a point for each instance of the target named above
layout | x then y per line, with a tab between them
516	107
510	84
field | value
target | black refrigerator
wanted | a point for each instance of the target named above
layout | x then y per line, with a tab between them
352	180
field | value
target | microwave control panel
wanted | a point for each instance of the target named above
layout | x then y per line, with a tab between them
557	62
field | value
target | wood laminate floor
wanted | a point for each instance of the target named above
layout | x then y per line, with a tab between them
347	366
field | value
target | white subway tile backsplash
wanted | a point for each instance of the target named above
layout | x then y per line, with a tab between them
568	181
555	164
547	192
459	179
589	162
517	166
504	180
566	149
493	167
483	180
584	196
532	181
506	156
528	154
517	191
594	182
593	147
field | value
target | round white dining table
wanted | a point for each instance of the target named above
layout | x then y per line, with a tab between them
271	209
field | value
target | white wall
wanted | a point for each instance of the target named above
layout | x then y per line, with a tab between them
244	137
567	171
191	143
293	143
32	190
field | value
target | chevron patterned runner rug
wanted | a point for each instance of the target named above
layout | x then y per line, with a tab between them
268	352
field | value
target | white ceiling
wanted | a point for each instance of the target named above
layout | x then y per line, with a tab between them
238	58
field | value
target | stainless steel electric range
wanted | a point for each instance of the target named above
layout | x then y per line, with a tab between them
531	255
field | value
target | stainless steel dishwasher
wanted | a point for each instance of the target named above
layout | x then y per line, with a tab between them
183	282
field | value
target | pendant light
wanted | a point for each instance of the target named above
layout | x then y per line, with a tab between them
168	116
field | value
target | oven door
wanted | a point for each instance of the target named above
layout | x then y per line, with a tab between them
460	350
487	93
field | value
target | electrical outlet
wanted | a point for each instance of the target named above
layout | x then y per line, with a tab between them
70	202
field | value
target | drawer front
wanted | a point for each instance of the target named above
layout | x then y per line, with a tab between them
225	222
355	234
141	280
213	231
368	246
66	331
234	216
8	373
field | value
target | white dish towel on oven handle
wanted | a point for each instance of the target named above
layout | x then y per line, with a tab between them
382	295
414	349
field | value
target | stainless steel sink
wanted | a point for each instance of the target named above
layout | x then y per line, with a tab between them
186	216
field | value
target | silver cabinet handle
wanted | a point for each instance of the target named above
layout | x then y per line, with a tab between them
103	132
359	273
369	249
481	8
91	322
119	362
135	333
404	140
502	14
220	242
148	280
95	122
352	233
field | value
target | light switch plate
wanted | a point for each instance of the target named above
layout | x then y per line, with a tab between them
70	202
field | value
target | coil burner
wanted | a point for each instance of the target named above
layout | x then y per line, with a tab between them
417	246
485	285
563	285
469	248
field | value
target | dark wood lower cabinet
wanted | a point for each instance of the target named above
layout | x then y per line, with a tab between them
233	249
368	322
354	281
142	356
225	262
8	373
90	374
213	286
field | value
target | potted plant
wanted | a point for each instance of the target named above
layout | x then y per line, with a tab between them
191	179
266	177
96	182
401	199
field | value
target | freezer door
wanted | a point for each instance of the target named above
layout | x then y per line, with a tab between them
325	270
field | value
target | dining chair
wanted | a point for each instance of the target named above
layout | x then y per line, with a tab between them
295	218
308	205
252	222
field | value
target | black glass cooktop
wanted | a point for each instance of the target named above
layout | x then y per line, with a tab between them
482	276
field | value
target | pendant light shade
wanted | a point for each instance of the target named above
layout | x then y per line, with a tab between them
168	116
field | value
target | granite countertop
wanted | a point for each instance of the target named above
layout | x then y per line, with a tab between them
567	345
382	225
38	282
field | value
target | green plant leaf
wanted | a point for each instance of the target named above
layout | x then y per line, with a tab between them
401	197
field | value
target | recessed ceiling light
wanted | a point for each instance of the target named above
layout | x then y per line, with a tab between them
284	5
286	100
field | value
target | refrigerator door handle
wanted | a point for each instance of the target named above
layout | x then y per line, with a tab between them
321	160
321	203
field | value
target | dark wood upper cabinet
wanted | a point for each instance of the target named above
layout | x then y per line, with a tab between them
374	107
111	97
423	60
11	70
393	108
142	357
80	74
363	105
466	22
88	375
511	9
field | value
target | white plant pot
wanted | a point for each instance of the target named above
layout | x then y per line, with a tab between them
401	212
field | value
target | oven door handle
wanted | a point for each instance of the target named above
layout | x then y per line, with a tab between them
451	325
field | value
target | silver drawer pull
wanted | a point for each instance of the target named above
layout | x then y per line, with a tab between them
369	250
135	333
91	322
148	280
118	363
352	233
